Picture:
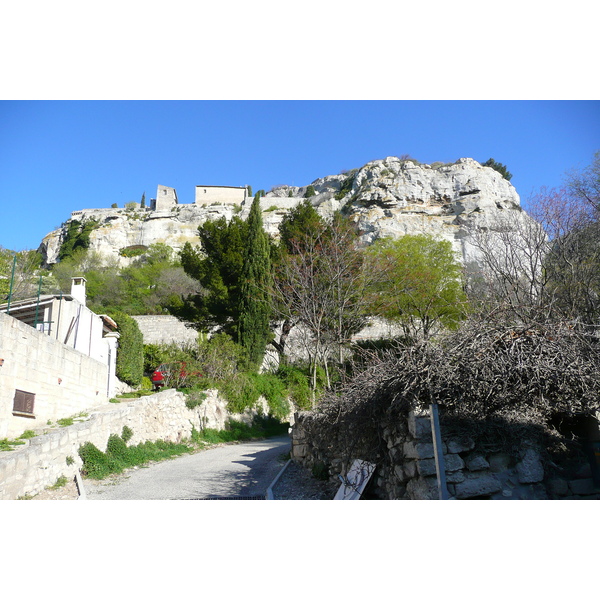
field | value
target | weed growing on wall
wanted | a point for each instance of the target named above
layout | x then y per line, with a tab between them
60	482
6	445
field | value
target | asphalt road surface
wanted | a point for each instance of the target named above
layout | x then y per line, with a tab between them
236	471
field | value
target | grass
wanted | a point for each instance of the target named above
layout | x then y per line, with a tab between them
6	445
137	394
70	420
60	482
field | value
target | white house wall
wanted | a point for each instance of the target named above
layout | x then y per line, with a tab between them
65	381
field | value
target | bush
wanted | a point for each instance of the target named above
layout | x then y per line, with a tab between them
310	191
498	167
220	357
96	464
346	187
132	251
298	386
194	398
275	393
118	456
116	447
126	434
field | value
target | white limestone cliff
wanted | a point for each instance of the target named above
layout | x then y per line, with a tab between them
386	198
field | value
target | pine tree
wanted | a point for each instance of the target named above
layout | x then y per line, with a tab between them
143	201
254	332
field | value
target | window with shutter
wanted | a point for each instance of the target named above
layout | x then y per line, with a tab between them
23	403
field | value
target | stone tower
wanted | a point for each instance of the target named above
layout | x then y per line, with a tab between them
166	198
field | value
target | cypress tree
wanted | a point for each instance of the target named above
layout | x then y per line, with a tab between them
254	332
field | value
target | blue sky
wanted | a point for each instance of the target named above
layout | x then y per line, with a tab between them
61	156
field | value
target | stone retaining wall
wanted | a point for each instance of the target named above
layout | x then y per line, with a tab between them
408	472
165	329
30	468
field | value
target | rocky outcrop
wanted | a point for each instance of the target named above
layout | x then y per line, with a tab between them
394	197
386	198
120	229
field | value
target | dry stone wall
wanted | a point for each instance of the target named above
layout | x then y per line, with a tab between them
408	472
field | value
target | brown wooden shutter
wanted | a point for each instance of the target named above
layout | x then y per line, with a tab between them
23	403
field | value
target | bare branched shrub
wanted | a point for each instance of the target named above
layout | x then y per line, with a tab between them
484	375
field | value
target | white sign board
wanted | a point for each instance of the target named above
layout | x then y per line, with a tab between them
355	482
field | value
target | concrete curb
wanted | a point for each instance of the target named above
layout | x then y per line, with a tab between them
269	494
80	488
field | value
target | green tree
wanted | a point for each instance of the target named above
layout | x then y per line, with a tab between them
254	312
154	283
143	201
130	355
217	265
298	223
417	284
490	162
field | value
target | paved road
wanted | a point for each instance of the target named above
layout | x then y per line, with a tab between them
239	470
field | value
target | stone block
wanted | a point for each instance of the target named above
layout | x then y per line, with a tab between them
456	445
583	487
399	473
426	467
453	462
455	477
410	468
476	462
419	426
396	455
477	484
418	450
499	462
300	450
530	469
423	488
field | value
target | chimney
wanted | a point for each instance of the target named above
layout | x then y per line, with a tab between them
78	289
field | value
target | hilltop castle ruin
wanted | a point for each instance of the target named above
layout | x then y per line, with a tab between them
166	197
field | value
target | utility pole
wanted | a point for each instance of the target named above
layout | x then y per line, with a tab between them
12	279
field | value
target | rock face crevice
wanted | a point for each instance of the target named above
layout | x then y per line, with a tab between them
385	198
